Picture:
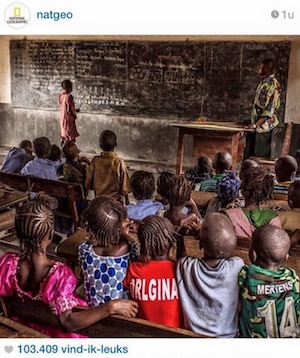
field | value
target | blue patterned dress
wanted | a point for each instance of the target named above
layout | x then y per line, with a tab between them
103	275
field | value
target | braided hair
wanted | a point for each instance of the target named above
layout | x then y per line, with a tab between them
257	186
179	191
162	183
156	235
102	219
34	219
142	185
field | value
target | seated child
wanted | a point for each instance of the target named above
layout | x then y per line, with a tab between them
74	170
290	220
256	188
202	171
151	280
269	292
143	186
285	170
222	163
179	196
55	156
107	173
104	258
41	167
247	164
297	157
32	274
208	287
16	158
162	187
227	193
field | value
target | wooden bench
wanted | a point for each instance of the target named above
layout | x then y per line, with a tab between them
13	329
72	192
110	327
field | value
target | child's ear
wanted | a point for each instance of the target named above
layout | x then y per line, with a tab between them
287	256
252	256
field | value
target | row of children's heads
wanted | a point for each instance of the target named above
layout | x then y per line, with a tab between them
105	217
222	162
174	188
42	148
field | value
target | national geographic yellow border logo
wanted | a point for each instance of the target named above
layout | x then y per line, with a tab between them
17	15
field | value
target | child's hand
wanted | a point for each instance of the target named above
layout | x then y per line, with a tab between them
128	228
123	307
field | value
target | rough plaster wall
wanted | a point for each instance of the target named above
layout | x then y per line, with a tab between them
293	92
4	70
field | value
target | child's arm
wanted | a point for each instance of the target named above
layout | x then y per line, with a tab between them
74	321
194	209
71	106
90	170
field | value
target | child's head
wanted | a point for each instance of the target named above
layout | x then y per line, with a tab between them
34	220
294	195
41	147
204	165
297	157
162	183
107	140
156	235
179	192
70	151
27	145
142	185
103	220
228	187
55	153
222	162
247	164
256	186
218	237
269	246
286	168
67	86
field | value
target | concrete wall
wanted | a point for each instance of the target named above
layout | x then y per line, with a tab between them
149	139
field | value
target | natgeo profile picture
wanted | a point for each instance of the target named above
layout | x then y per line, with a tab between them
17	15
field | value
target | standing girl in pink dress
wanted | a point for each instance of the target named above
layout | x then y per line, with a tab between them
68	130
31	274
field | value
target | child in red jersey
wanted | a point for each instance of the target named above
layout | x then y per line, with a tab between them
152	280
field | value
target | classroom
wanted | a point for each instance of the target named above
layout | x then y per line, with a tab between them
148	110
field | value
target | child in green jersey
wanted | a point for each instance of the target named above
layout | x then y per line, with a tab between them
269	292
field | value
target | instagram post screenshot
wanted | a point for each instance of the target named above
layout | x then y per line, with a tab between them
149	178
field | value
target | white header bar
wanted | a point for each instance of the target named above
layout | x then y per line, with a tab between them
156	17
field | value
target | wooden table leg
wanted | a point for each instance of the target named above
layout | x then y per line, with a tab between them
179	158
234	150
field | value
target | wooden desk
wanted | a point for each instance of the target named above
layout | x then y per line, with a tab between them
11	198
210	138
202	198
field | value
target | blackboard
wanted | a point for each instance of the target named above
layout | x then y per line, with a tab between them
181	79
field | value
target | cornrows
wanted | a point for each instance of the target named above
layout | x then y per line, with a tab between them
34	220
179	191
103	220
142	184
163	183
257	185
156	235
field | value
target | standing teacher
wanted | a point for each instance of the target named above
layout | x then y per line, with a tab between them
263	115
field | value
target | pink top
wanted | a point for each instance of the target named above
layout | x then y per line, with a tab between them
68	130
57	290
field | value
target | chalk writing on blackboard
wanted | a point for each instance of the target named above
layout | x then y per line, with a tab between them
163	79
